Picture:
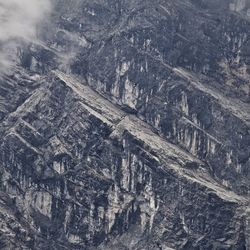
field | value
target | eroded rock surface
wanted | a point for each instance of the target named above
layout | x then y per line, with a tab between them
127	126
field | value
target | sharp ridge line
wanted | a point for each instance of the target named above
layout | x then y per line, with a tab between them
131	123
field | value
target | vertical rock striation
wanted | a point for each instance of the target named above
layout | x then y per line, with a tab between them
127	127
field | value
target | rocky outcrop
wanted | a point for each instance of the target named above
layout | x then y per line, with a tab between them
127	127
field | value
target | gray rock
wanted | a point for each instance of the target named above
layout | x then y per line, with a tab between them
127	126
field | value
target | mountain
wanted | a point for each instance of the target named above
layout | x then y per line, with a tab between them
126	126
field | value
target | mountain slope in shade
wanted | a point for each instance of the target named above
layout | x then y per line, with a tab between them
126	126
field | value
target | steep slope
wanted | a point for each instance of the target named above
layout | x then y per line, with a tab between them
127	127
88	171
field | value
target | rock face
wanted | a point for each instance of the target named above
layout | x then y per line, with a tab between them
127	126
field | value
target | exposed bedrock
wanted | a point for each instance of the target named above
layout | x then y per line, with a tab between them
126	126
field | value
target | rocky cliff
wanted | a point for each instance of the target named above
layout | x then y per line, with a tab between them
126	125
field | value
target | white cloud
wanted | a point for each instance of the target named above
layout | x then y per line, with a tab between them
18	21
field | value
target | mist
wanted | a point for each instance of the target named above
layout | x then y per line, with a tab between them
19	20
